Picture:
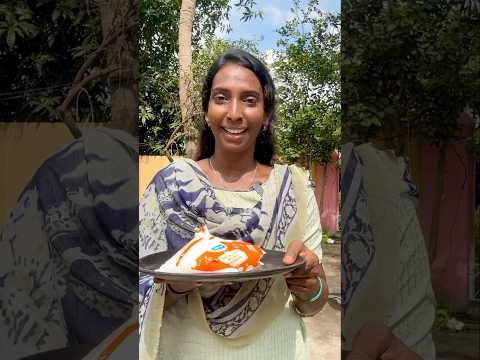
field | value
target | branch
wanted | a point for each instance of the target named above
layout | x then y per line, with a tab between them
111	36
64	108
74	89
71	125
175	135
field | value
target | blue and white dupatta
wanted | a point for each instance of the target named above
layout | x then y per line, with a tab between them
179	199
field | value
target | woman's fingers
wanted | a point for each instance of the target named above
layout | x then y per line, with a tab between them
182	286
305	281
293	251
304	287
297	249
311	261
314	271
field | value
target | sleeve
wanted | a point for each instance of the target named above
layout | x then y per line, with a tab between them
151	229
151	223
313	232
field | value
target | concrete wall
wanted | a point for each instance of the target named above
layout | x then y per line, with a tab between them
452	259
23	148
148	166
327	179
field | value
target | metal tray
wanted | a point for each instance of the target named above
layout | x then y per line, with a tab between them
272	266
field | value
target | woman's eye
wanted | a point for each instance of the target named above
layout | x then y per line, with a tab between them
220	98
251	100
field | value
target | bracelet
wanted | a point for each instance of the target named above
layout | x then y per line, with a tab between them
300	313
170	288
318	294
313	299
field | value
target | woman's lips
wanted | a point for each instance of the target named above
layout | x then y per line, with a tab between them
234	133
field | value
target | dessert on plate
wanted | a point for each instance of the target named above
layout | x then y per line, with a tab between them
207	253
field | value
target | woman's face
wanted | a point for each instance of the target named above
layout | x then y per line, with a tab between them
236	109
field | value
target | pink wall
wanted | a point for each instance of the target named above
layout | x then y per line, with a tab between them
451	261
326	179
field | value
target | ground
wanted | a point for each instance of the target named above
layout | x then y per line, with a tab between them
464	344
324	328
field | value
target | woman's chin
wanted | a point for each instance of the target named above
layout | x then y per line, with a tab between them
237	143
230	147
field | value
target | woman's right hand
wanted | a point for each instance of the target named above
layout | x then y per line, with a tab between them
179	286
377	341
182	286
176	290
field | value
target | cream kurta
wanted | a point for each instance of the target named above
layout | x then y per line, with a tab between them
284	339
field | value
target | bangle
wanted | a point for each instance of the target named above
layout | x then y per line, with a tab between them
300	313
172	290
317	295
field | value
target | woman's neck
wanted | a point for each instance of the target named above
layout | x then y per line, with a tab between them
233	164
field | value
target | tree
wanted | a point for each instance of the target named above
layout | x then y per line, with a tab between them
160	114
307	74
186	76
118	22
410	69
42	46
59	54
408	65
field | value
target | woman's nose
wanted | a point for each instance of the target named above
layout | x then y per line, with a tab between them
235	110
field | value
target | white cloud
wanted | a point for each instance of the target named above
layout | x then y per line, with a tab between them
290	16
269	57
276	15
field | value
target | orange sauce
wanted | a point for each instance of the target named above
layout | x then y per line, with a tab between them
212	260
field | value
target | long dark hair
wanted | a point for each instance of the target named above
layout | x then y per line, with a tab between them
264	147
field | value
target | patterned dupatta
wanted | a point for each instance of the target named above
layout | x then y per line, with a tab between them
370	237
179	199
71	244
385	268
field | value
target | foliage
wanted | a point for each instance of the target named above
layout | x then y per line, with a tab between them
311	133
408	66
442	315
307	74
325	237
159	103
43	44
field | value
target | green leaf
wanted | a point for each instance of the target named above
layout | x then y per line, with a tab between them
56	14
11	38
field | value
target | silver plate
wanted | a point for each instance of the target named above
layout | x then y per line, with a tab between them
272	266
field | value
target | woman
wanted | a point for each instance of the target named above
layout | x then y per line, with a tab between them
235	191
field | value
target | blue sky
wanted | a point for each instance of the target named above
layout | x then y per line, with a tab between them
275	13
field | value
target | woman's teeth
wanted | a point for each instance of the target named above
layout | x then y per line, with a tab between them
234	131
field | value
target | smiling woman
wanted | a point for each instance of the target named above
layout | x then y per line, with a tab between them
239	104
237	193
239	88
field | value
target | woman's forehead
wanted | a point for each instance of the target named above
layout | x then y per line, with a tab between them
232	76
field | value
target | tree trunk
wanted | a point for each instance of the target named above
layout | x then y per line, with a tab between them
186	77
437	201
122	53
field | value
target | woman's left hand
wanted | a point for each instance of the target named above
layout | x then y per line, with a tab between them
303	282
